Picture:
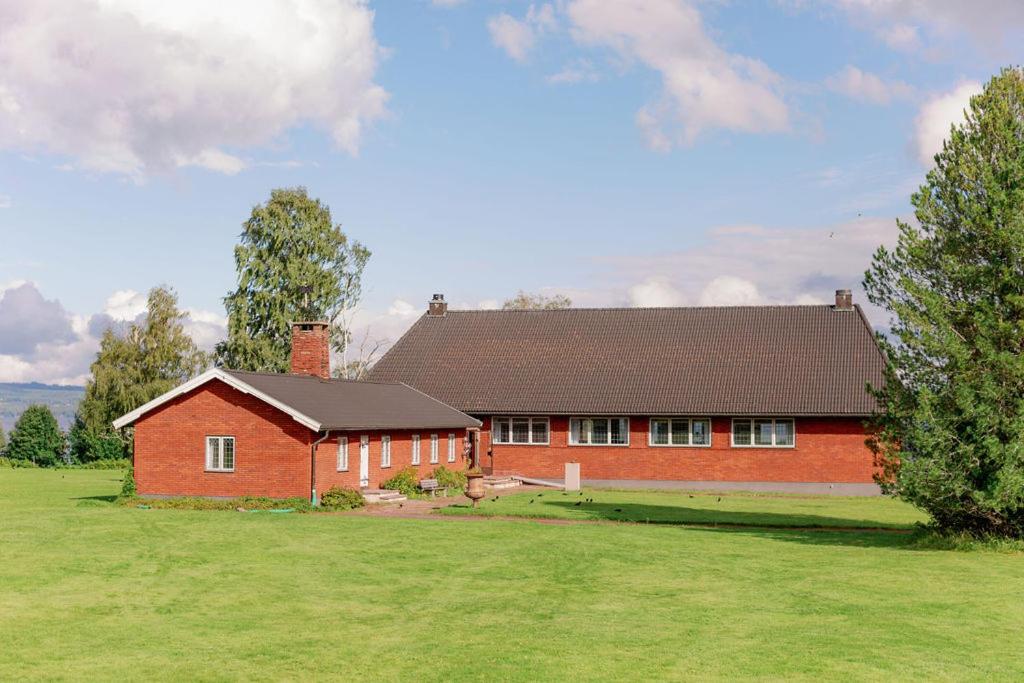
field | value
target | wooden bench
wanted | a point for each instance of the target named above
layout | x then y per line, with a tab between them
433	487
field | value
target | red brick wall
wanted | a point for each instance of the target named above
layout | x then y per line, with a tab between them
271	449
827	450
327	474
311	353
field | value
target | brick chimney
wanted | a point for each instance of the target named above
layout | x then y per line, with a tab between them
844	300
437	306
311	348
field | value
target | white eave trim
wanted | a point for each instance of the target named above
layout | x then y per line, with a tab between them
231	381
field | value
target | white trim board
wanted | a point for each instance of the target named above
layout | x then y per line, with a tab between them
233	382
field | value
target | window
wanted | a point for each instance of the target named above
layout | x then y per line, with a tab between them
685	431
415	449
343	454
451	447
433	449
763	432
220	453
519	430
385	451
599	431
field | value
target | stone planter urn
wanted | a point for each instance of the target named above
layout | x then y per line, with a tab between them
475	486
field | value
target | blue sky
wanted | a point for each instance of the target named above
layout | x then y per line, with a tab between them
629	152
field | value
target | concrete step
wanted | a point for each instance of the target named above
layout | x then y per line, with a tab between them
496	482
383	496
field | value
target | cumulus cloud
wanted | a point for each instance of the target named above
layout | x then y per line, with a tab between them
937	115
755	264
655	292
704	86
40	341
867	87
133	87
576	71
901	23
517	37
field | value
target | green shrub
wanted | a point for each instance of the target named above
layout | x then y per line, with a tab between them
338	498
16	463
450	479
246	503
128	486
111	464
406	481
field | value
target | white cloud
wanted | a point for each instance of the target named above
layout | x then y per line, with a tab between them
867	87
517	37
913	24
576	71
937	115
730	291
704	86
655	292
125	304
134	87
5	201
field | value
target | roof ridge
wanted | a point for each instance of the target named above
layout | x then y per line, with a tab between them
311	377
627	308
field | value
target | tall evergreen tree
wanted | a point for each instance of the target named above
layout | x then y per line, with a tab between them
37	437
950	431
293	263
152	358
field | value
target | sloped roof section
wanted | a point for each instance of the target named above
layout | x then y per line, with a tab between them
335	404
744	360
349	404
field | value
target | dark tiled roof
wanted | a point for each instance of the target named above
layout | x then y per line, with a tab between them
764	360
347	404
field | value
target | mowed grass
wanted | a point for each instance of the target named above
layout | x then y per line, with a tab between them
700	508
90	590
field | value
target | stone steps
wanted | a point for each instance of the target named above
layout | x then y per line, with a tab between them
382	496
495	482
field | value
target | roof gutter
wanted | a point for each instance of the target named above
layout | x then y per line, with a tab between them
314	501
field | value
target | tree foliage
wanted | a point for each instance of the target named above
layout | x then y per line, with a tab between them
3	440
288	245
537	302
151	358
36	437
950	431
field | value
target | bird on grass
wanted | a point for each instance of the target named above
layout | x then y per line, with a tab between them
577	503
581	493
618	509
531	502
495	499
691	495
719	500
539	495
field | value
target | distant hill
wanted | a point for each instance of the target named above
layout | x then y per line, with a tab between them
14	398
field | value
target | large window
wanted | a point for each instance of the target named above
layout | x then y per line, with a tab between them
343	454
415	449
680	431
519	430
220	453
385	451
599	431
763	432
451	447
433	449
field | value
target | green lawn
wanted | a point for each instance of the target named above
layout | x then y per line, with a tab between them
91	590
680	507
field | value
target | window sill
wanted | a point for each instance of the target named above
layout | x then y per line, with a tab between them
679	445
535	443
764	448
599	445
342	470
218	471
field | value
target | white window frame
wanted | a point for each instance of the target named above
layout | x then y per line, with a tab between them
689	432
385	451
451	446
415	445
601	445
750	420
530	440
433	449
220	451
343	454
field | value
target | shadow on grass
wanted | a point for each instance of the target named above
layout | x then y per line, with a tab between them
105	499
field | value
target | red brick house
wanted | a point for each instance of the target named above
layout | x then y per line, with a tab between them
229	433
770	397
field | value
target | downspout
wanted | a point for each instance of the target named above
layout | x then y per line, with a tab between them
312	468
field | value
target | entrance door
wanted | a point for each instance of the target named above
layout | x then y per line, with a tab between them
364	461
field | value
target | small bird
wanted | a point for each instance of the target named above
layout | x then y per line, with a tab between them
577	503
539	495
531	502
401	505
581	493
618	509
495	499
719	500
691	495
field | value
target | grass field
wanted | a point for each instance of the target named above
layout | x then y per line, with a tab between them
92	590
676	507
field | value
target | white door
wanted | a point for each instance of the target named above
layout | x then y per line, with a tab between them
364	461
